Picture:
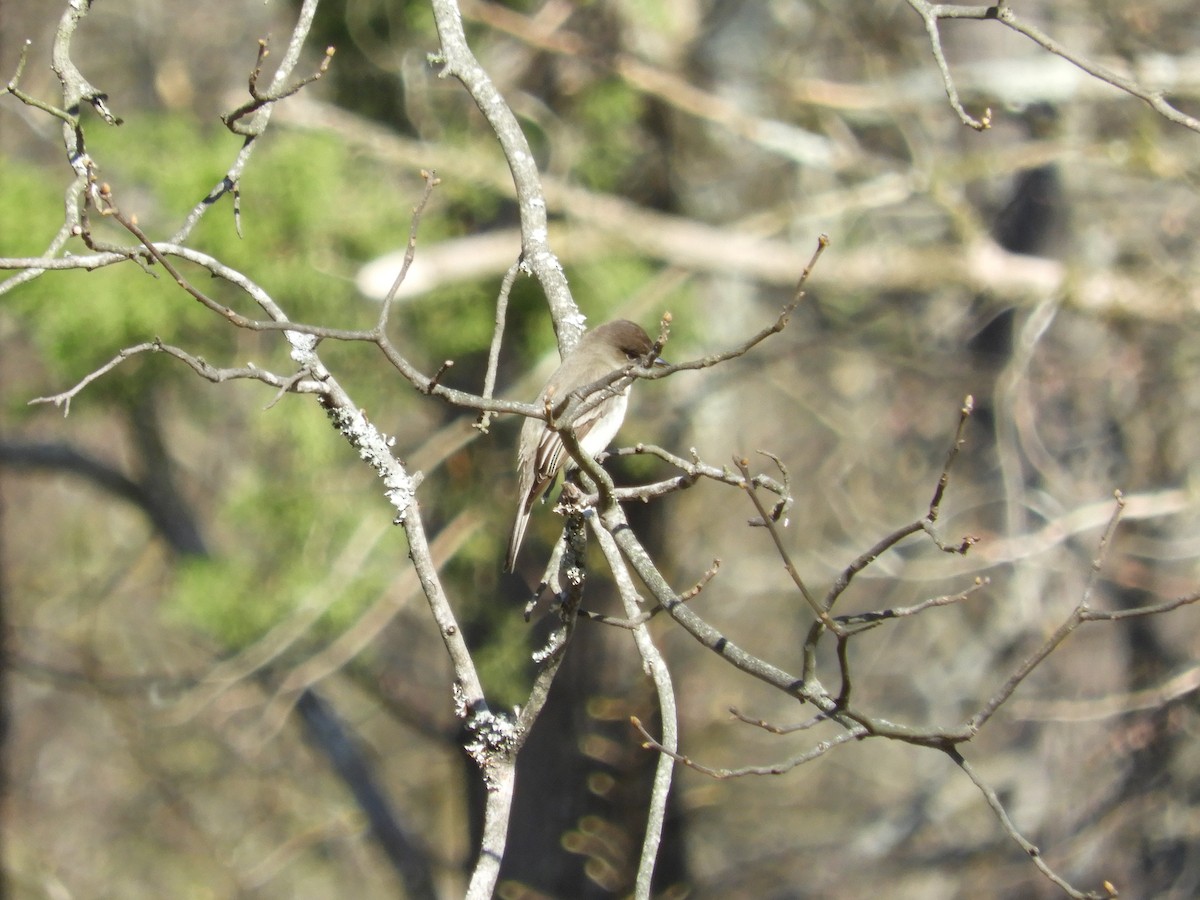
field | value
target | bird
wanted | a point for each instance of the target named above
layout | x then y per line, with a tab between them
540	453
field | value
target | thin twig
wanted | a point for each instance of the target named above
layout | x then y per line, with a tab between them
259	99
410	250
694	469
821	612
924	524
929	14
489	378
1030	849
900	612
1101	556
198	365
645	616
935	503
810	722
1081	613
28	99
814	752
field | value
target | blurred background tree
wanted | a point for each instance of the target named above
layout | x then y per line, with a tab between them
179	566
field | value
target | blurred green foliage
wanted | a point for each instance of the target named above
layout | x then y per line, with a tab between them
296	526
34	202
605	112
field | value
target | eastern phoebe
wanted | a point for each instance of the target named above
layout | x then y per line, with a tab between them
541	454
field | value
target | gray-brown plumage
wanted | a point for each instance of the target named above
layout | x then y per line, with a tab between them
541	454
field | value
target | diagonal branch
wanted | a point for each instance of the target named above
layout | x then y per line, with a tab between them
932	13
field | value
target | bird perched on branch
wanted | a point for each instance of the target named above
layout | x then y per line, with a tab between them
541	455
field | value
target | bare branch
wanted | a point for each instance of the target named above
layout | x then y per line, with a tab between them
1155	99
693	471
1080	614
647	615
410	249
901	612
259	99
656	666
198	365
27	99
750	343
1154	609
925	524
814	752
1029	848
458	60
489	378
228	183
821	612
931	13
808	723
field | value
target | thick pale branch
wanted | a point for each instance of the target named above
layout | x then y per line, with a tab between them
458	60
653	662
